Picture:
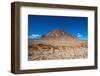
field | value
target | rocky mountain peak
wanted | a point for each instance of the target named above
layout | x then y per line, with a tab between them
58	34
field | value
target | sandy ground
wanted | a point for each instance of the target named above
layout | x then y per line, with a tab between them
57	49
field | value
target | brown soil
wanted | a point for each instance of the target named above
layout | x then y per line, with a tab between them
57	49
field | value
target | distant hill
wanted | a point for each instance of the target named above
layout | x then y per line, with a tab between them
58	34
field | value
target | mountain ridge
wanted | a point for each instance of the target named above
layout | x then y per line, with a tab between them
58	34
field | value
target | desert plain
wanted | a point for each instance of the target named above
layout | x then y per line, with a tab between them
57	44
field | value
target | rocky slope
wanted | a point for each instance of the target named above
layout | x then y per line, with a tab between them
58	34
57	44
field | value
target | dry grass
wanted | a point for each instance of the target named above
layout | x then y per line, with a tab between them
57	49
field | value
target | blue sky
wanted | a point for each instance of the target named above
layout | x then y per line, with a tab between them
39	25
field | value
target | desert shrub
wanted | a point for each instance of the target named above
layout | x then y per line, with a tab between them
29	46
84	45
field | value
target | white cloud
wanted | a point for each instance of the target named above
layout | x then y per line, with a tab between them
79	35
33	36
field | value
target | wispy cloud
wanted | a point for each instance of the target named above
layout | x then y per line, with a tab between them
79	35
34	36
